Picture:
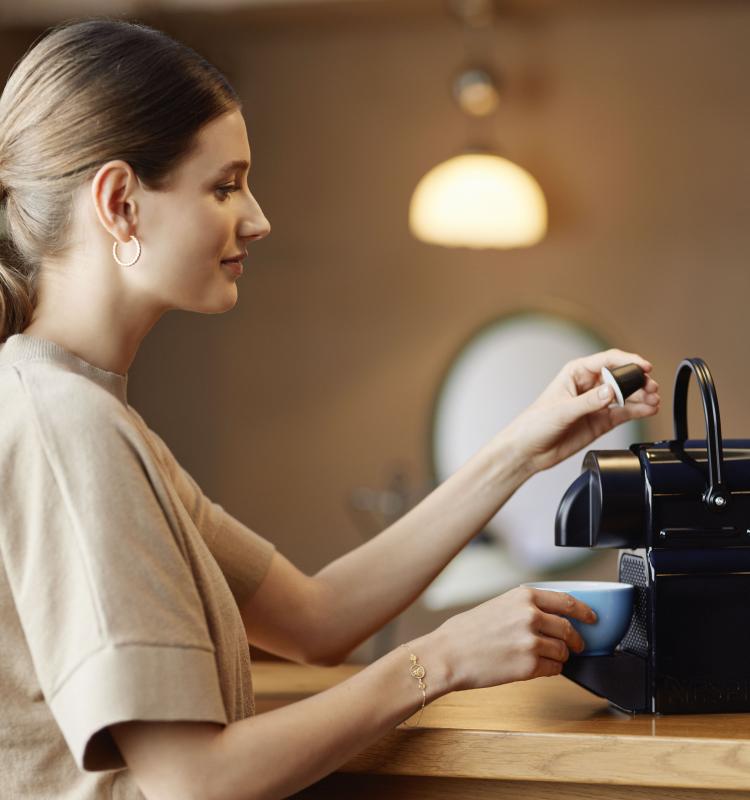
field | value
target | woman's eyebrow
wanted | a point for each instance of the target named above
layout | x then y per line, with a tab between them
232	166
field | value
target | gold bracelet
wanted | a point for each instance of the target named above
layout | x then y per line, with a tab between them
417	671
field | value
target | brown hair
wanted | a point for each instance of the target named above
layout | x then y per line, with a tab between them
86	93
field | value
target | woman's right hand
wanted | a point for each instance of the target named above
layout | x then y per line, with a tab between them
516	636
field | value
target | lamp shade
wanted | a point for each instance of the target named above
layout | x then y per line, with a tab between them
478	200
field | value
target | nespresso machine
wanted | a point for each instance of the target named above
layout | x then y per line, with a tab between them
679	511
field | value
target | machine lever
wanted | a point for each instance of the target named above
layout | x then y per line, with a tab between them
716	496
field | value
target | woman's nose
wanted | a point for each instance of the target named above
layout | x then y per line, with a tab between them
254	225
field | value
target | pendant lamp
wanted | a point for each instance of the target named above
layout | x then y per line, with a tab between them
478	198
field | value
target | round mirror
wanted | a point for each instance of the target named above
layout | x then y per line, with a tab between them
498	373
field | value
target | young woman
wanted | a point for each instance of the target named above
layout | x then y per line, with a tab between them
127	598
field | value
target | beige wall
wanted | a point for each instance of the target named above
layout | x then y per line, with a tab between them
634	118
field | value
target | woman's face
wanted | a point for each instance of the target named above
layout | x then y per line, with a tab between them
205	216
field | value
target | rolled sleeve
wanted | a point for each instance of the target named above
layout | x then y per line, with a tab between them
129	682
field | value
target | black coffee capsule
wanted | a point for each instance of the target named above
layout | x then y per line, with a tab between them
625	380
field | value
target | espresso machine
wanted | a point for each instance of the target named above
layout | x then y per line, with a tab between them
679	512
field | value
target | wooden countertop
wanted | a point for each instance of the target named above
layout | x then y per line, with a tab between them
547	730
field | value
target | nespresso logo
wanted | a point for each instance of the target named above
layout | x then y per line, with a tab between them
703	691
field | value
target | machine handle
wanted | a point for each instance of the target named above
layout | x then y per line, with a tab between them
716	496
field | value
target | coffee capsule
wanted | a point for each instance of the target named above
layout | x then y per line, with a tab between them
625	380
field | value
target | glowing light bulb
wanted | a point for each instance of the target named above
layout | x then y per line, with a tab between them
479	201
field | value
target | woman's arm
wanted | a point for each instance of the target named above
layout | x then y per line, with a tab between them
517	636
321	619
370	585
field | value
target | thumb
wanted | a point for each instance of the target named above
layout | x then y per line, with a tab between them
594	400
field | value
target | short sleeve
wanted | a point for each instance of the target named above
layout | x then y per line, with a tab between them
243	555
98	571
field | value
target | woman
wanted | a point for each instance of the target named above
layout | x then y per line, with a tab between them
127	598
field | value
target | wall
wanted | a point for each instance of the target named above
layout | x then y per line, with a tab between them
633	117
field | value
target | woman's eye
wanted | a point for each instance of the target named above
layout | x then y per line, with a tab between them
224	191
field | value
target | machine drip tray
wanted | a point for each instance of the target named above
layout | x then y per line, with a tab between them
619	678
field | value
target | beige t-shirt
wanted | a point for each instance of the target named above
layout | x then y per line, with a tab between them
119	583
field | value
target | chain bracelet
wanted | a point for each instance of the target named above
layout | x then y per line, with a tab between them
416	670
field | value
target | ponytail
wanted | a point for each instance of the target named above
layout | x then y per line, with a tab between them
16	291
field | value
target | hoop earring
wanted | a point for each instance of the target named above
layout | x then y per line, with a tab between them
137	254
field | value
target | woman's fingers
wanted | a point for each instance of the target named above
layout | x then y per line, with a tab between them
589	402
649	393
643	403
614	358
586	370
619	415
556	634
523	634
551	648
562	603
561	629
547	667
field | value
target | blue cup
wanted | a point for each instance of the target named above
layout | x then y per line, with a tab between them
613	604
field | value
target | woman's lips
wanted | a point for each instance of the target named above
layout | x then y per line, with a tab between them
234	265
235	262
237	256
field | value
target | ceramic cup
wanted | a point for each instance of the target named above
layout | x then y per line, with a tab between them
613	604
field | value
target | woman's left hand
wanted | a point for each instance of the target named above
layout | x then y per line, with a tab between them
574	410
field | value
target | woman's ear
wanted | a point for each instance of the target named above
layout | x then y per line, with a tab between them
112	192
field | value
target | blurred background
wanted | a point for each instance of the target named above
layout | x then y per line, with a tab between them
309	410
